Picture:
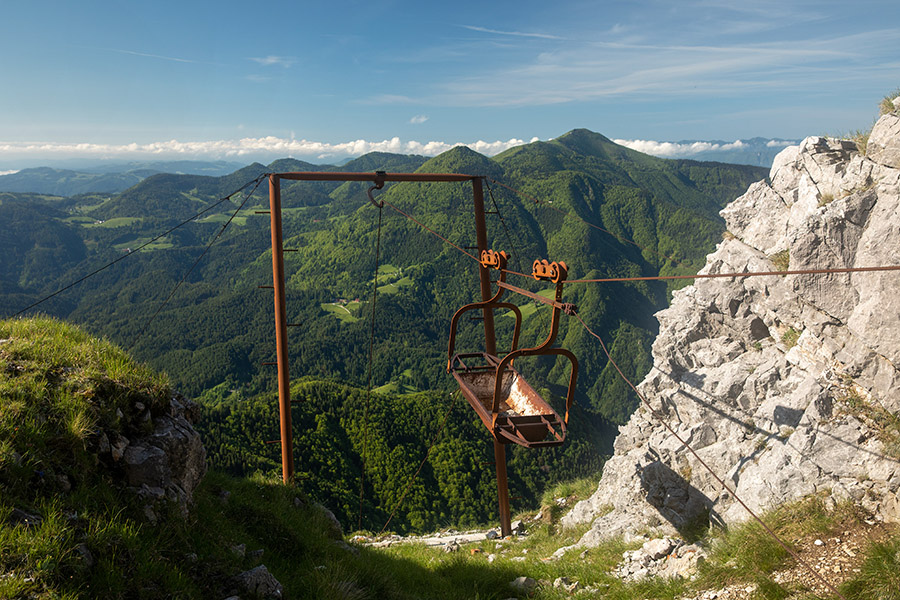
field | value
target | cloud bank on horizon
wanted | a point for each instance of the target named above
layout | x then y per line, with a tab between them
248	147
684	149
272	147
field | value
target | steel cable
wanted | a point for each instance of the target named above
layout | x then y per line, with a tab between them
362	477
196	262
142	246
709	469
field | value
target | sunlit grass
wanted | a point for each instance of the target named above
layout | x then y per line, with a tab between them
345	312
879	575
57	384
113	223
749	553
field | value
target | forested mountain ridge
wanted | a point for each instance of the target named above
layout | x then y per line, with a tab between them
217	330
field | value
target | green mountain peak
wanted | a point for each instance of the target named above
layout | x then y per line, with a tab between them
292	165
585	141
461	159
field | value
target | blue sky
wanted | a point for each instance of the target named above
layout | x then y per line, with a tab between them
315	80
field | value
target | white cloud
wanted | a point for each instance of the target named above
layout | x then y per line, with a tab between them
268	61
591	70
675	149
391	99
544	36
418	119
271	146
2	173
147	55
779	143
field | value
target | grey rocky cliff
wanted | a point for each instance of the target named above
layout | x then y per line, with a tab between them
777	381
157	452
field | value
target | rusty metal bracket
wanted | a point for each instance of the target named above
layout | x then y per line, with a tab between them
379	183
489	260
543	270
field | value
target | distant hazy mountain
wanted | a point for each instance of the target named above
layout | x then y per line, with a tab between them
104	178
215	168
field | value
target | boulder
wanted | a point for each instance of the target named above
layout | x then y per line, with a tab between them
259	582
524	585
883	145
334	528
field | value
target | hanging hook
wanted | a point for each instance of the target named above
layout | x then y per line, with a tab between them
379	183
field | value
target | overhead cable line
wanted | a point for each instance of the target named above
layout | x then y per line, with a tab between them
196	262
362	476
656	277
515	250
431	231
142	246
737	275
715	476
421	464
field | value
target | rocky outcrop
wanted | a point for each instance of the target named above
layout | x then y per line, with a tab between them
784	385
157	452
663	557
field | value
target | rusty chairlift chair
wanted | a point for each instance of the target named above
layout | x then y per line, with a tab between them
510	408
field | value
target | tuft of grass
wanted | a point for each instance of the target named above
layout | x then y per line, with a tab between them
824	199
860	137
879	576
883	422
781	260
789	337
886	106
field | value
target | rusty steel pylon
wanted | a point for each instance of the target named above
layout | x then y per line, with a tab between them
278	283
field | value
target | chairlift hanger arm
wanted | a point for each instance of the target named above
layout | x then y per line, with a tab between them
489	260
539	351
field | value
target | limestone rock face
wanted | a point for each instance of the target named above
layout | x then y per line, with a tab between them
884	141
779	383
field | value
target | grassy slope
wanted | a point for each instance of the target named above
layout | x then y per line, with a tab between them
57	384
89	540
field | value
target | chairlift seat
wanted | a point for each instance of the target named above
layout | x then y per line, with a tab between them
510	408
523	418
